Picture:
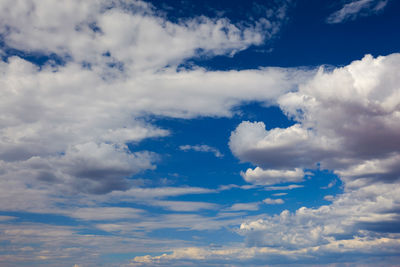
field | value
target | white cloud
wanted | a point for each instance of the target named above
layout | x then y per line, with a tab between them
268	177
355	9
64	129
67	245
287	187
330	185
67	124
244	206
202	148
366	212
178	221
105	213
345	251
158	192
347	120
272	201
130	33
279	194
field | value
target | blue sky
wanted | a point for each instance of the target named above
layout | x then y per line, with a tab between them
199	133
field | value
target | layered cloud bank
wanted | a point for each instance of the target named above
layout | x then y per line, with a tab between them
106	65
79	81
346	120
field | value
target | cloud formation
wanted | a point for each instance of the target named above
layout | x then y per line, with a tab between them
202	148
80	80
346	120
355	9
272	201
268	177
105	66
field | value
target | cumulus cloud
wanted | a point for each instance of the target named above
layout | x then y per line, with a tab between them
355	9
202	148
268	177
65	125
369	211
346	120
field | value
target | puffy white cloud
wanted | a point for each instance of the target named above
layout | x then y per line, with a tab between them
357	8
286	149
107	32
366	212
347	120
267	177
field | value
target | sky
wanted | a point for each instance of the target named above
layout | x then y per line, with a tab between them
199	133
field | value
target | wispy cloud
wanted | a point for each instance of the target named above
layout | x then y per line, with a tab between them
202	148
355	9
273	201
286	187
244	206
279	194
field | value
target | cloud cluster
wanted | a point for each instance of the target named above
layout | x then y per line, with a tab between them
129	34
357	224
346	120
370	211
355	9
341	252
99	68
79	80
